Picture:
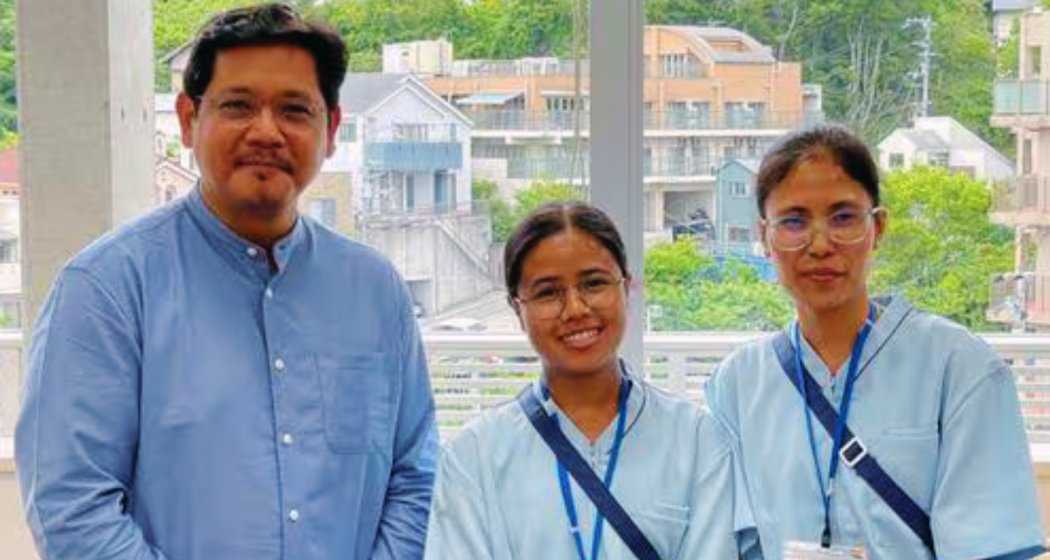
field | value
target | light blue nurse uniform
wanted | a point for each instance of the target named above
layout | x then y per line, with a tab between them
933	404
497	495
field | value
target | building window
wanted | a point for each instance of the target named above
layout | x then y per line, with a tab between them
1035	61
1026	157
9	251
896	160
441	197
410	192
674	65
348	132
738	189
738	234
323	210
938	159
10	314
410	132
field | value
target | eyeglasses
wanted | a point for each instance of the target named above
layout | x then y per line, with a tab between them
845	227
548	301
241	108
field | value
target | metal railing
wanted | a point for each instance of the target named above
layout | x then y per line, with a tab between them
563	120
1021	97
1018	299
472	373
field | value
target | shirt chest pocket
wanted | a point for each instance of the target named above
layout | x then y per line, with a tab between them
664	523
357	393
909	456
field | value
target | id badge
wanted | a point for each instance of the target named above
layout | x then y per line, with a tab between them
798	550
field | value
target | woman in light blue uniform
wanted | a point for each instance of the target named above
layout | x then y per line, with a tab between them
910	442
501	493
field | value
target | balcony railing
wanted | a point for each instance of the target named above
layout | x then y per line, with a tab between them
1021	97
413	156
561	167
1023	194
472	373
1020	299
562	121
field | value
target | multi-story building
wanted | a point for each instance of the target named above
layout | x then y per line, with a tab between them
1022	104
711	94
407	153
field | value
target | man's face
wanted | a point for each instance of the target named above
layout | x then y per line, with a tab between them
260	132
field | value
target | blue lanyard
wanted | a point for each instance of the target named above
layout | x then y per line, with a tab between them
826	492
566	491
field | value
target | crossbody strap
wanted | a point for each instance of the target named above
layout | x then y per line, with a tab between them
853	453
583	474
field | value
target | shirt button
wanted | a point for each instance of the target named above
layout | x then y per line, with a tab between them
269	293
253	252
287	439
293	515
278	364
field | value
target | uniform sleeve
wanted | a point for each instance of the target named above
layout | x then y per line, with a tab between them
722	414
403	523
77	435
711	532
985	503
458	525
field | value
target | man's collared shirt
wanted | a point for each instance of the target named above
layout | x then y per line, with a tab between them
186	401
934	406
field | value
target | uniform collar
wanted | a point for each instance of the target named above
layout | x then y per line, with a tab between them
635	404
240	251
892	310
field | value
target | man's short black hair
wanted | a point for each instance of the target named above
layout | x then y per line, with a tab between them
267	24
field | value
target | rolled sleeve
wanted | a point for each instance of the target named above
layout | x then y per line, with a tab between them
77	435
403	524
985	503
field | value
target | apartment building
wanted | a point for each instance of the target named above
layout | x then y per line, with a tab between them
1022	105
711	94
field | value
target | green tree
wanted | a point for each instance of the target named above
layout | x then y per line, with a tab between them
940	249
177	21
486	195
694	292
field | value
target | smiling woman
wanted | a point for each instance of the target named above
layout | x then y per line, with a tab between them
567	281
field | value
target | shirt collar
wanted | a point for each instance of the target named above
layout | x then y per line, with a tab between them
891	312
237	248
635	404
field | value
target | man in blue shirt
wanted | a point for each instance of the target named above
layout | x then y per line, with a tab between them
224	378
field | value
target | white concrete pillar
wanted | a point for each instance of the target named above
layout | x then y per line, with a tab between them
85	90
616	35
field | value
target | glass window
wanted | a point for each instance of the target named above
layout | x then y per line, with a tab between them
896	160
348	132
738	189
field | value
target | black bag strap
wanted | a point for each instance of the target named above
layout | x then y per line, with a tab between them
590	483
853	453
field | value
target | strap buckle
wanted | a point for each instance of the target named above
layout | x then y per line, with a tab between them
853	452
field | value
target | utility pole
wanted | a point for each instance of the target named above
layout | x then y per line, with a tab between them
925	46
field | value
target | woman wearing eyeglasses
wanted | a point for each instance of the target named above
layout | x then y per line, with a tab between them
503	492
908	443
